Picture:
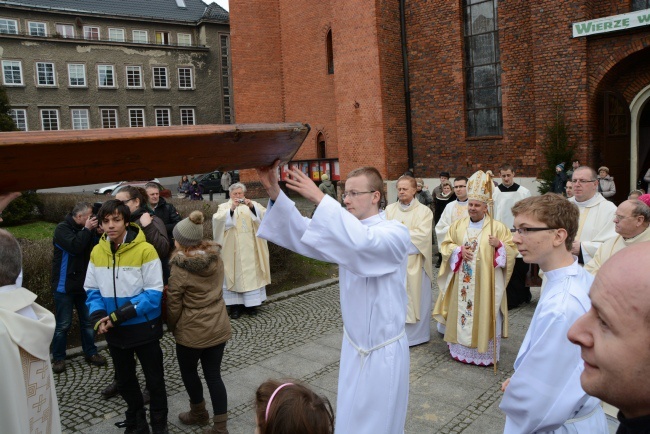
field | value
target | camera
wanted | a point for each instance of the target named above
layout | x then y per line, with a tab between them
241	200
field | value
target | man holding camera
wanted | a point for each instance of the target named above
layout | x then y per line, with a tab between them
73	241
245	256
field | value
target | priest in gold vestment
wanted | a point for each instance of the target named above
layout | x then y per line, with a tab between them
477	260
245	256
418	219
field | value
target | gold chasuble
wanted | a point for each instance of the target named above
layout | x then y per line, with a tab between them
469	297
245	257
419	221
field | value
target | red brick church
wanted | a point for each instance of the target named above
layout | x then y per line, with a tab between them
453	85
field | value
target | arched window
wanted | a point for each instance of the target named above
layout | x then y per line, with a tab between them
320	146
330	53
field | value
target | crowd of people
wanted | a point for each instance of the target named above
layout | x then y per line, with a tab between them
588	339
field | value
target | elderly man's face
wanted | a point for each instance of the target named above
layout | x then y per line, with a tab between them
405	191
614	335
154	195
238	194
625	223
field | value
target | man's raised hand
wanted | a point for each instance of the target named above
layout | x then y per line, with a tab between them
300	183
269	178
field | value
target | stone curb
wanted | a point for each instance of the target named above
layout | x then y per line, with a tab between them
78	351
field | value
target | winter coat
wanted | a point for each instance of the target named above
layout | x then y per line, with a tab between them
196	311
559	183
196	192
424	197
72	247
607	186
328	188
155	233
131	274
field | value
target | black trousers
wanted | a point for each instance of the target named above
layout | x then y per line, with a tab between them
517	291
188	361
151	360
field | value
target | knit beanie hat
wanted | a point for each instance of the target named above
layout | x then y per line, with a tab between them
561	166
189	231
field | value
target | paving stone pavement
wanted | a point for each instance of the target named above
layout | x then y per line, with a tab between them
298	335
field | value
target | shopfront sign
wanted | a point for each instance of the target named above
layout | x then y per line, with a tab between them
612	24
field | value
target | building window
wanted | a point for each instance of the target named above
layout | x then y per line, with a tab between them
106	75
162	38
12	72
134	76
226	85
65	30
185	80
184	39
45	74
20	118
37	29
77	74
136	118
160	77
162	118
187	116
638	5
109	118
330	53
115	35
8	26
80	119
50	119
140	36
91	32
482	69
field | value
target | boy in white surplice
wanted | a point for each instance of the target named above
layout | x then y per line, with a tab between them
544	393
372	254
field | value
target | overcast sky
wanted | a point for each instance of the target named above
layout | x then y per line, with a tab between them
222	3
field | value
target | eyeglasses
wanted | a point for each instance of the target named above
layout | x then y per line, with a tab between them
621	217
583	181
125	202
354	194
460	186
524	231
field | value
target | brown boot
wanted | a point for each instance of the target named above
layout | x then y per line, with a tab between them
197	415
219	426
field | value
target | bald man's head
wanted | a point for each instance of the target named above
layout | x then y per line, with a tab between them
614	335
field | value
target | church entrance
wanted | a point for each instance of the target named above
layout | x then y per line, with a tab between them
615	152
640	138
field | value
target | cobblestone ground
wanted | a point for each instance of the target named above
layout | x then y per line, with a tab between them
300	337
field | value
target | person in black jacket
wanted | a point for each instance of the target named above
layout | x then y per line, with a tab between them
73	241
163	210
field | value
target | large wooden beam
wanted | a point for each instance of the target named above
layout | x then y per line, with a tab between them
48	159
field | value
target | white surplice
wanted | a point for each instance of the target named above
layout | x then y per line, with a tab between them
596	224
372	256
452	212
544	394
503	203
613	246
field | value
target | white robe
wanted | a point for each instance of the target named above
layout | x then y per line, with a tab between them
503	203
596	224
610	247
28	400
372	257
452	212
544	393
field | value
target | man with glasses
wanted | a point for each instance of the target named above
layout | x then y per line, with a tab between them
372	254
631	222
453	211
596	214
544	393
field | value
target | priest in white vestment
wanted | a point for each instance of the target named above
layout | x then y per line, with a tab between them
506	195
544	394
453	211
596	214
477	260
418	219
631	221
27	389
245	256
372	254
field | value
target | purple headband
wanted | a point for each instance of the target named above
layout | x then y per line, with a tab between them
268	406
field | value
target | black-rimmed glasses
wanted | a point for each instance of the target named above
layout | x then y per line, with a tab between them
524	231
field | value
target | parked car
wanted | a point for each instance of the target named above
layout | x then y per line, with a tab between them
109	188
212	181
164	192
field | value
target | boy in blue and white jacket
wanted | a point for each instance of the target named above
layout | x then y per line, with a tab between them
124	287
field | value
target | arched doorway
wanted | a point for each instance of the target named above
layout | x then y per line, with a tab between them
615	151
321	151
640	137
